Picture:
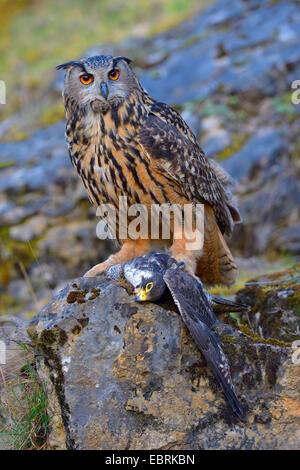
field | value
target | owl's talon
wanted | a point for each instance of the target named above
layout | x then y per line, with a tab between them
96	270
181	265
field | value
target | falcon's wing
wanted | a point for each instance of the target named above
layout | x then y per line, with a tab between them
195	311
189	291
220	305
172	149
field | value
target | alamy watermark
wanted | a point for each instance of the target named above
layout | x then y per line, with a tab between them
2	92
2	352
296	352
155	222
295	98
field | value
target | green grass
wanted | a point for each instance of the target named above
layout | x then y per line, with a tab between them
277	263
283	104
235	317
23	406
38	35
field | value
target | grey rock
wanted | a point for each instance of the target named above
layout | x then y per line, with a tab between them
37	176
37	160
75	244
274	301
193	121
170	81
266	146
216	142
268	212
122	375
211	55
11	214
43	141
253	61
33	228
289	239
18	290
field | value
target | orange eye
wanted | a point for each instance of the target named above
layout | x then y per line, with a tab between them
86	78
114	74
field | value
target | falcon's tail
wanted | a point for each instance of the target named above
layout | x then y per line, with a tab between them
216	265
216	359
196	313
226	385
219	304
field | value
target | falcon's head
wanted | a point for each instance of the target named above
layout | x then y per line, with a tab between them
151	288
99	81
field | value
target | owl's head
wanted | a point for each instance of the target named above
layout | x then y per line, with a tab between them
99	81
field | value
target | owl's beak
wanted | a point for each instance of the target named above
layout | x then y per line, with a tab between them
141	295
104	90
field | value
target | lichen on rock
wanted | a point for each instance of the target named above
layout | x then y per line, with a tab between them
275	305
126	375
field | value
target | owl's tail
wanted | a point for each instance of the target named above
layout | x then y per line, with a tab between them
216	265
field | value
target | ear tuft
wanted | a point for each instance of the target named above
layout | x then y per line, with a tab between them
69	64
116	59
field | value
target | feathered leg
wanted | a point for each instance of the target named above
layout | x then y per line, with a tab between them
130	249
216	265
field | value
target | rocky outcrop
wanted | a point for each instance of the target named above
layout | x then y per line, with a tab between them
126	375
275	305
229	71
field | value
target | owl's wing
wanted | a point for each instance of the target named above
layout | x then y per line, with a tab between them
195	312
173	118
172	149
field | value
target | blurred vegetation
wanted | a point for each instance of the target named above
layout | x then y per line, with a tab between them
37	35
23	405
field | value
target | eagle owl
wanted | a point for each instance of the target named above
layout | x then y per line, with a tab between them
124	143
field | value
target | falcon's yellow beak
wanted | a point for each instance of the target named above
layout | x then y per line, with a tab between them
141	296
